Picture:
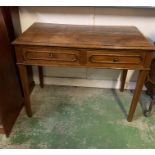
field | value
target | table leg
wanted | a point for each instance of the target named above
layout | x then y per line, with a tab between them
25	86
41	79
124	74
139	85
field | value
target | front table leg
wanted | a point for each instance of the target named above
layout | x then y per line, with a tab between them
139	86
25	86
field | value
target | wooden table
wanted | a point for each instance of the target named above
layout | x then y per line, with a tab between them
113	47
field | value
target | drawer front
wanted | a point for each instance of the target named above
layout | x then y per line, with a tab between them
51	55
119	58
55	56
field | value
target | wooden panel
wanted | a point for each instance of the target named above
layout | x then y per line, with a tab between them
56	56
11	100
120	58
117	59
48	55
111	37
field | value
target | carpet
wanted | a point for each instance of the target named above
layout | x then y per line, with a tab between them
76	117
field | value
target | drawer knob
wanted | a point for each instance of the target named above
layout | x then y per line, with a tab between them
115	60
50	55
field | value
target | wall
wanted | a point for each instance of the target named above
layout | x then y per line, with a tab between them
144	19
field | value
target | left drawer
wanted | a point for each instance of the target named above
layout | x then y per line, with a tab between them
47	56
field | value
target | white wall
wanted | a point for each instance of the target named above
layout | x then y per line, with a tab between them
144	19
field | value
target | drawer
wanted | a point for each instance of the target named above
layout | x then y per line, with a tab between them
51	55
120	58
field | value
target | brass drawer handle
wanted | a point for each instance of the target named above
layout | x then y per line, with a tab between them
50	55
59	59
92	59
115	59
71	60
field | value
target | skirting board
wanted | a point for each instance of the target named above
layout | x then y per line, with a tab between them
85	82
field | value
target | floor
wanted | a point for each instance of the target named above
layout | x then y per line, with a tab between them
78	117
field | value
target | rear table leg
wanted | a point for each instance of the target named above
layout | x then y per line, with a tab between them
124	74
41	79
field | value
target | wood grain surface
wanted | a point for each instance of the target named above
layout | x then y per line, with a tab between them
111	37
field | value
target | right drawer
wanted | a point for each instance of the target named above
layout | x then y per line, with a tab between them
115	58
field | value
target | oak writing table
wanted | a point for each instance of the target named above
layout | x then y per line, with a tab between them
113	47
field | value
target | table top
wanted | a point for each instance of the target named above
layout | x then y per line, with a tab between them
84	36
